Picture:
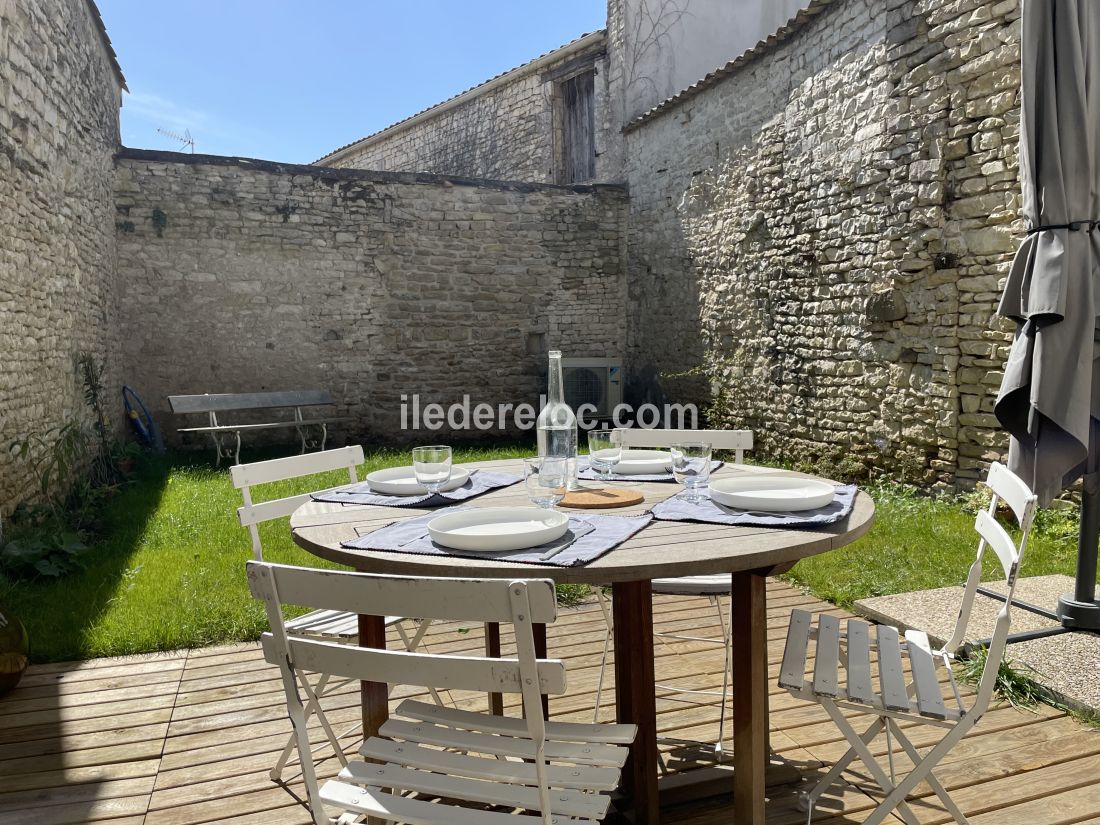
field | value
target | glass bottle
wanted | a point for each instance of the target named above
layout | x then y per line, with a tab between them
557	425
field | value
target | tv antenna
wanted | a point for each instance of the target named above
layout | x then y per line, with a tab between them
185	139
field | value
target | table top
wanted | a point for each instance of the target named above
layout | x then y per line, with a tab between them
662	549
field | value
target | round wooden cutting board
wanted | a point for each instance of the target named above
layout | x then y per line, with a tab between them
603	498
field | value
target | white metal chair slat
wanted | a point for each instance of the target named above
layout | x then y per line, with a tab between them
581	777
998	540
397	777
792	672
426	598
508	726
929	697
922	701
827	657
587	753
377	803
412	761
912	713
296	466
1011	489
891	673
251	514
429	670
859	662
334	623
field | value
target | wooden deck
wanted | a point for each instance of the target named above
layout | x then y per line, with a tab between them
189	737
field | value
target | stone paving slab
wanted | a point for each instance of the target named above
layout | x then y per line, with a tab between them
1068	664
936	611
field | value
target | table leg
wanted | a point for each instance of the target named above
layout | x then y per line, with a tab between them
635	693
373	695
750	696
492	650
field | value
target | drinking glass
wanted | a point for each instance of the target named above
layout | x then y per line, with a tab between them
604	451
546	479
691	467
432	466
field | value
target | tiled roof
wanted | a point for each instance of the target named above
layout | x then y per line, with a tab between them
97	18
572	45
783	33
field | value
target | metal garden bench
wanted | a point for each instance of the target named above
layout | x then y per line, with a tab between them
212	404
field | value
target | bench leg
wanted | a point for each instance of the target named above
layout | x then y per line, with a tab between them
302	435
220	452
237	457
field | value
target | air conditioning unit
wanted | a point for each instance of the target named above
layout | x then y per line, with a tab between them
596	381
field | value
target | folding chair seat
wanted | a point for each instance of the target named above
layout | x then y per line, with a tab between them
841	679
437	765
333	625
711	586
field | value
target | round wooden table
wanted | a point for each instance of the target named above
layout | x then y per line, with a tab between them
663	549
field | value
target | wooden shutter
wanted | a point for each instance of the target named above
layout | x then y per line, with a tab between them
579	131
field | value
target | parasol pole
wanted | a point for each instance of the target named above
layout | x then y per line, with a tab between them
1079	610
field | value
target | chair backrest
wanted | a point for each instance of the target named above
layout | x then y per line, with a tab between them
1007	487
247	476
736	440
520	603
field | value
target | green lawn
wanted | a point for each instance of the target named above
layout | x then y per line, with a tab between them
167	573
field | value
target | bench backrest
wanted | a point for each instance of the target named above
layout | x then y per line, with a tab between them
220	402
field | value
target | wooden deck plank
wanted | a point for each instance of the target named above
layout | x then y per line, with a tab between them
188	738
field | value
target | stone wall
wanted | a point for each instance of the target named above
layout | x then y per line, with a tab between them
502	130
250	276
59	102
819	235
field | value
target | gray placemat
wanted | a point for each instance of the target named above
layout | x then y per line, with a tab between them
588	538
586	472
676	509
480	482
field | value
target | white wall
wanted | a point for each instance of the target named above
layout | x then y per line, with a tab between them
670	44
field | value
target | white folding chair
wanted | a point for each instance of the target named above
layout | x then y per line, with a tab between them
335	625
430	751
735	441
921	700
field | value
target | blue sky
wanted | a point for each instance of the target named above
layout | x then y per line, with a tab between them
291	81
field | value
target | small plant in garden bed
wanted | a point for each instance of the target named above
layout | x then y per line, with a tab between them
49	539
77	469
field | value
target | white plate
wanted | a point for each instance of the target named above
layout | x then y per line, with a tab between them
643	462
771	494
492	529
401	481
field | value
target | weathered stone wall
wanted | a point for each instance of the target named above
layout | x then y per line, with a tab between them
820	236
59	102
507	132
251	276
